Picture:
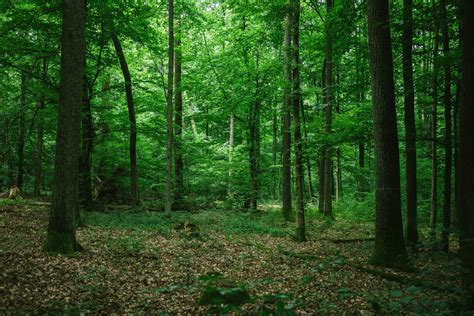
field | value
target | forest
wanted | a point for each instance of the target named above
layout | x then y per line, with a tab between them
256	157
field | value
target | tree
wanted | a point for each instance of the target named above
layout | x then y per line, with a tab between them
434	124
389	243
410	128
39	135
131	116
328	103
448	152
22	131
178	156
286	116
169	109
465	202
61	237
301	235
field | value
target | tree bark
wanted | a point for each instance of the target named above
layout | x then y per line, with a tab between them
132	119
300	221
465	202
21	132
410	127
61	237
448	152
389	247
434	125
329	94
169	109
308	160
178	124
39	136
286	118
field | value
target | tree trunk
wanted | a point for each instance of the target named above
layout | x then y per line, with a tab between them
308	160
410	127
178	124
230	193
328	175
434	125
169	109
447	132
21	132
286	119
39	136
465	202
131	117
389	247
301	234
61	237
274	156
85	161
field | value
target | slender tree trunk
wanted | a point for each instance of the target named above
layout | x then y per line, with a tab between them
308	160
61	237
447	132
286	119
169	110
39	136
8	153
328	175
274	156
465	202
230	193
321	184
21	132
434	125
131	117
178	155
300	221
410	127
389	243
85	161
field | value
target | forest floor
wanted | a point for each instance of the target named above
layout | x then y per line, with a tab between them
138	262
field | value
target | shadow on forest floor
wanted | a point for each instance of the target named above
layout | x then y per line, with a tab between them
149	263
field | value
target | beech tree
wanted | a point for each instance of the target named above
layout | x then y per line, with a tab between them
389	243
61	237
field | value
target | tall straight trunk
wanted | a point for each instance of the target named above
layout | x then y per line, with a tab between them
253	139
178	117
87	144
339	192
39	136
434	125
465	202
131	118
448	152
230	193
8	153
61	237
274	156
328	168
301	234
308	160
286	119
410	127
169	110
389	247
21	132
321	184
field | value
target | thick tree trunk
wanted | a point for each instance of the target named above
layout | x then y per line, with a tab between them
178	124
410	128
465	201
300	221
169	110
308	160
286	119
447	132
434	125
61	237
131	117
389	243
21	132
39	136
